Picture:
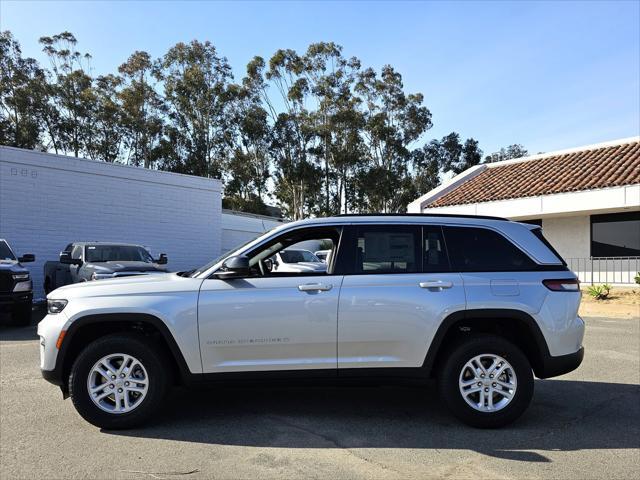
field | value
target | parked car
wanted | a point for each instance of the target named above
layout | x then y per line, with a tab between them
84	261
297	261
323	255
16	287
480	303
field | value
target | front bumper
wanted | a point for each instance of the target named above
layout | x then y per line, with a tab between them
555	366
10	300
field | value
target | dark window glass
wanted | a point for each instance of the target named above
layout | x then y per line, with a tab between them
388	249
5	252
615	235
434	251
533	221
482	250
121	253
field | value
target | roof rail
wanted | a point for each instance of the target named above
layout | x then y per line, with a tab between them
446	215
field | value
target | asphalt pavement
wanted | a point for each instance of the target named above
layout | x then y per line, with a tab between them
582	425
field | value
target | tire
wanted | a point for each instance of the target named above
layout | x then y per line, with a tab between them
154	369
457	368
21	315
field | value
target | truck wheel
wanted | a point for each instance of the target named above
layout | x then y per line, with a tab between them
47	286
486	381
119	381
21	316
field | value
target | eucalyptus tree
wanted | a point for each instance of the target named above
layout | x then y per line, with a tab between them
454	155
393	121
197	91
22	96
330	78
512	151
143	111
108	131
70	93
295	175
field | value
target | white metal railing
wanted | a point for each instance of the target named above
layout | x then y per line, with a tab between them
613	270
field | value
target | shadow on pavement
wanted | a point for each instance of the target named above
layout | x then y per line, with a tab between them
10	333
564	416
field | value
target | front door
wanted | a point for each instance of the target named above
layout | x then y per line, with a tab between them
271	321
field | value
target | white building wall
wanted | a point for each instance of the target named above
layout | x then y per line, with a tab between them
570	236
48	201
239	228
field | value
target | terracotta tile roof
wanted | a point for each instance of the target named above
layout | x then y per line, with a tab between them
608	166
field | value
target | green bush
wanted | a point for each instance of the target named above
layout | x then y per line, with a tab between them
599	292
637	278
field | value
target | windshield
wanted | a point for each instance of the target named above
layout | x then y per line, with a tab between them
297	256
5	251
120	253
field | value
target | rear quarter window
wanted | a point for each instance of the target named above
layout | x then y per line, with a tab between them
483	250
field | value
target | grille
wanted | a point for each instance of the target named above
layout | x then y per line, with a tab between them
6	281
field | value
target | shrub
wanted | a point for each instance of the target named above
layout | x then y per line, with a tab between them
637	278
599	292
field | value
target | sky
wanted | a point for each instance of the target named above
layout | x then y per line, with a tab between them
547	75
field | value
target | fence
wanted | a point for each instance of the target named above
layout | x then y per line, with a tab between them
613	270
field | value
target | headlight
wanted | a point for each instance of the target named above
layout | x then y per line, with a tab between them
24	286
56	306
21	276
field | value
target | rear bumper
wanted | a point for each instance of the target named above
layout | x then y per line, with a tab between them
555	366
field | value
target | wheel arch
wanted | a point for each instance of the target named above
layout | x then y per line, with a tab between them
90	327
514	325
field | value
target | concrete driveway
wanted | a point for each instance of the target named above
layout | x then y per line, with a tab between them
582	425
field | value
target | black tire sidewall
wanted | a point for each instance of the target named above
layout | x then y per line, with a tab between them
460	355
136	346
21	315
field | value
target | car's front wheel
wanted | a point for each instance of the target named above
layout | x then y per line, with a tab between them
118	381
486	381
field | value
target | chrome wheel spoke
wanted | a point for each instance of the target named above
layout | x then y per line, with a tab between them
118	383
487	382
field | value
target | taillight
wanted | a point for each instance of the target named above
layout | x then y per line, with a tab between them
562	284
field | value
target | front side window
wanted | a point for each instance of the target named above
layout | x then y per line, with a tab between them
387	249
483	250
290	254
615	235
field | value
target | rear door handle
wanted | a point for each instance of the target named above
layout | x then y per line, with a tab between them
315	287
439	284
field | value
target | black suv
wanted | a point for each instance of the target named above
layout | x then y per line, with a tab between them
16	288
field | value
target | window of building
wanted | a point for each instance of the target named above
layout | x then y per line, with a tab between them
615	235
482	250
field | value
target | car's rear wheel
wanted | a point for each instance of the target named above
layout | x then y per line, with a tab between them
486	381
119	381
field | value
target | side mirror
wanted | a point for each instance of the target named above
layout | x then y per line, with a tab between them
65	258
234	267
162	260
27	257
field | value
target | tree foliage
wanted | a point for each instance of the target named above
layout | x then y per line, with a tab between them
315	132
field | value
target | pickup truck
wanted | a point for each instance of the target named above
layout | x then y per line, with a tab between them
85	261
16	288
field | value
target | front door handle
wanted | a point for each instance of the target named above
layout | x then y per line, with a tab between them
436	284
315	287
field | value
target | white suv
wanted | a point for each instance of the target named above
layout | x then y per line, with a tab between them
480	303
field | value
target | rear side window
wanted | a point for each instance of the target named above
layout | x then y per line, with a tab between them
482	250
434	253
392	249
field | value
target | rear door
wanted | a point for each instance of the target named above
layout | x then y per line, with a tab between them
397	289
